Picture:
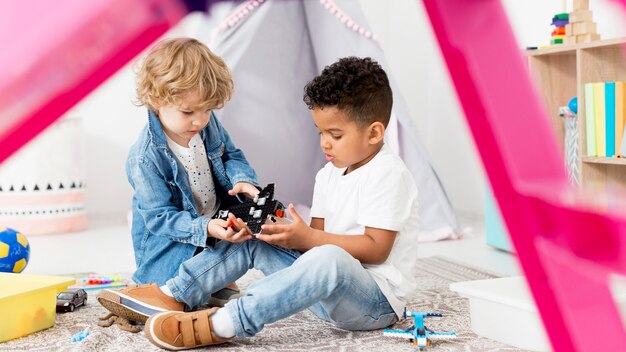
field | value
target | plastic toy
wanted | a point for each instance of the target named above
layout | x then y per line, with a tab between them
263	208
79	336
573	105
97	282
418	333
122	322
101	286
14	251
70	299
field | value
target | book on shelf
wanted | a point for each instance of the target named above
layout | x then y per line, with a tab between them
589	122
620	116
622	151
609	120
599	118
605	119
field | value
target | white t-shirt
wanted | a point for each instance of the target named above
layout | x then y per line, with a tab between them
380	194
196	162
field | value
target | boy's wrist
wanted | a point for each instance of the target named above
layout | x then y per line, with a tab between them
239	178
211	239
311	238
208	228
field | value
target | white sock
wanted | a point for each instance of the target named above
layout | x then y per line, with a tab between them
222	324
166	290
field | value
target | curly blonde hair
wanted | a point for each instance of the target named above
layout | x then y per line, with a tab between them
180	66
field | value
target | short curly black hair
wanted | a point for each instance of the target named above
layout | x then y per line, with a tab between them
358	86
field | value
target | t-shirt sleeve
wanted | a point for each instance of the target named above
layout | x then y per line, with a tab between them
319	194
386	199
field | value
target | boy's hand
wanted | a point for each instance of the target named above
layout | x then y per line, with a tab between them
295	235
246	188
233	230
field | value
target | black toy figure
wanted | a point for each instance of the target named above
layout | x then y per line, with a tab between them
255	212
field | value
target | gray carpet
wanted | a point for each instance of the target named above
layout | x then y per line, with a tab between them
302	331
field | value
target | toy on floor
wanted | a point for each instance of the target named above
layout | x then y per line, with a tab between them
123	323
14	251
258	211
419	334
79	336
71	299
97	282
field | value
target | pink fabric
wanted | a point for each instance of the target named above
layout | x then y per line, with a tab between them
566	247
64	50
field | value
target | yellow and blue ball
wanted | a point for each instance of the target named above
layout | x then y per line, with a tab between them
14	251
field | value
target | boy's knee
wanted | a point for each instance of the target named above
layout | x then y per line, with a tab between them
335	251
329	253
329	260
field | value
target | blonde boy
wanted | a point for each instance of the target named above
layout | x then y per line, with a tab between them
184	166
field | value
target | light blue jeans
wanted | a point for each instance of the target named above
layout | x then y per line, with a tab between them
327	280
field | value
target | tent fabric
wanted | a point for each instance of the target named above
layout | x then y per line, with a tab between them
273	49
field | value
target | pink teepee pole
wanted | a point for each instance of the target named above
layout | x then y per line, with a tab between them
565	248
64	50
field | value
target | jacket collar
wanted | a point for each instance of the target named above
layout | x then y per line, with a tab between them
156	130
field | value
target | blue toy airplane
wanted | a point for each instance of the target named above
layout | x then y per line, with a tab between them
419	334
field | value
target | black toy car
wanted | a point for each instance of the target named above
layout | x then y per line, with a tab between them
70	299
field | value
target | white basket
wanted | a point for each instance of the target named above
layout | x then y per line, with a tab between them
42	188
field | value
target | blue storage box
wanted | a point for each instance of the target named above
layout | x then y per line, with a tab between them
497	235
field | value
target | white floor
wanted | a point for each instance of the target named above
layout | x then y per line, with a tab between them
106	248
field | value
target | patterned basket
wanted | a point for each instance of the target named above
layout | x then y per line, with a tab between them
41	186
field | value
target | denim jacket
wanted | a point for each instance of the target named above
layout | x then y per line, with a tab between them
166	227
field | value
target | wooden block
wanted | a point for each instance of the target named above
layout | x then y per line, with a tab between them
569	29
581	28
580	16
581	5
587	37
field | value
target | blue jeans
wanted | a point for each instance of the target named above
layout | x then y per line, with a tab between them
327	280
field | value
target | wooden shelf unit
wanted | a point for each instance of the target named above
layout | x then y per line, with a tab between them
560	73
